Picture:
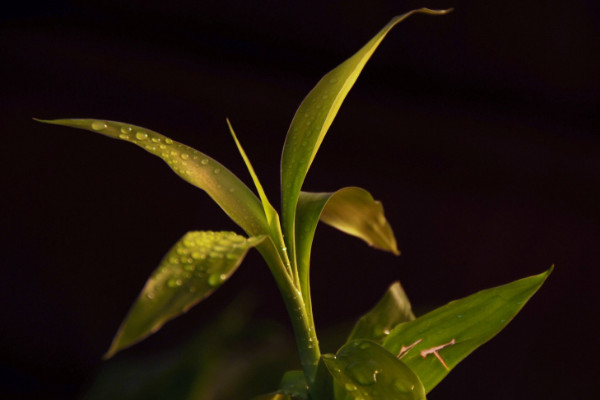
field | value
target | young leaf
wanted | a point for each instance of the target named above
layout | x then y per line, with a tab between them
363	369
351	210
193	268
393	309
435	343
231	194
314	117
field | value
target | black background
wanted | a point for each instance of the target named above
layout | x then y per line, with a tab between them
479	131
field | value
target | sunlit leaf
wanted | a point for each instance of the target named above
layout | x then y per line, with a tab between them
362	369
230	193
192	269
393	309
314	117
351	210
436	342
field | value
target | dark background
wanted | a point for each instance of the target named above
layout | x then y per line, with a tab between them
479	131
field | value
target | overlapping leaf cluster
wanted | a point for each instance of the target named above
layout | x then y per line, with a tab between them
389	353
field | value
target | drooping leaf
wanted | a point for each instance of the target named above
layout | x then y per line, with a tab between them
436	342
314	117
195	167
351	210
362	369
193	268
393	309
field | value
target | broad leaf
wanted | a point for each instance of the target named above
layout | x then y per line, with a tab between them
393	309
192	269
435	343
314	117
351	210
294	384
231	194
362	369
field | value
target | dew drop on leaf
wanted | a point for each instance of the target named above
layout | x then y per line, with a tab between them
98	125
141	135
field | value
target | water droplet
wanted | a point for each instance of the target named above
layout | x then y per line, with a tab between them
162	146
124	136
178	282
168	141
364	346
141	135
362	374
216	171
156	140
403	386
185	156
126	130
174	260
350	387
150	295
231	190
98	125
204	161
386	332
172	282
216	279
189	267
174	153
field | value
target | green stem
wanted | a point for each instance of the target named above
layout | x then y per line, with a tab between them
298	310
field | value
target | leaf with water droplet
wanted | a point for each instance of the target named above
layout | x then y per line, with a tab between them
364	369
328	95
482	316
241	205
394	308
351	210
172	290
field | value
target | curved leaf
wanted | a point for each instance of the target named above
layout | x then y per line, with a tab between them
393	309
195	167
351	210
314	117
364	370
433	344
192	269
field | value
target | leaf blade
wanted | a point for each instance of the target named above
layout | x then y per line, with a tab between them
462	326
314	117
191	270
394	308
363	369
195	167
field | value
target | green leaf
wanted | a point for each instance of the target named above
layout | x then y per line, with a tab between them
351	210
393	309
294	384
314	117
364	370
435	343
193	268
230	193
273	396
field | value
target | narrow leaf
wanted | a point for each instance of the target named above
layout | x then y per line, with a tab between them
393	309
435	343
193	268
363	369
351	210
230	193
314	117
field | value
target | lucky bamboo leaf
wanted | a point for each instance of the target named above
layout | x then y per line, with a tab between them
394	308
436	342
230	193
193	268
362	369
351	210
314	117
294	384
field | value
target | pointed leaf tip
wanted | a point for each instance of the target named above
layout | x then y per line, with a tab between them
197	265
